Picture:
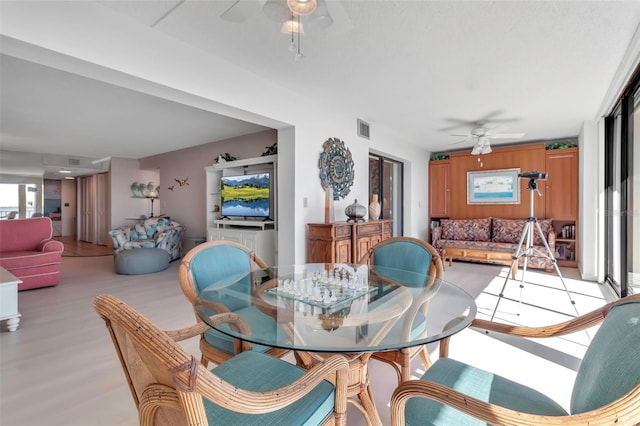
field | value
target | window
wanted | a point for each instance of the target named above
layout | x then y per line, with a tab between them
19	201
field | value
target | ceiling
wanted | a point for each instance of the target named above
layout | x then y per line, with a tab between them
426	69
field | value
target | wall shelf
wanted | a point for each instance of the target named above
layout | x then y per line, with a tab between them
267	159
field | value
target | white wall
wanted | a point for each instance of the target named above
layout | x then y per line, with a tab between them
590	202
69	207
122	173
94	41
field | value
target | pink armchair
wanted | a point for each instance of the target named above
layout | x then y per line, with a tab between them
29	253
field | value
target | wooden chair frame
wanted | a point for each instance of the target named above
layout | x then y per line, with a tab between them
168	384
624	411
187	284
401	359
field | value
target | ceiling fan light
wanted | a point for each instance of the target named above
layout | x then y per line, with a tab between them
477	150
302	7
486	149
276	10
292	26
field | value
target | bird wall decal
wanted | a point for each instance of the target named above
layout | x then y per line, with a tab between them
183	182
171	187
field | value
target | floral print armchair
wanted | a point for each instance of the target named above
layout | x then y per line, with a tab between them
154	232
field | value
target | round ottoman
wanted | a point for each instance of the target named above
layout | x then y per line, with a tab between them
141	261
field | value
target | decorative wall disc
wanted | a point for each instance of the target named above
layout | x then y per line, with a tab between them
336	168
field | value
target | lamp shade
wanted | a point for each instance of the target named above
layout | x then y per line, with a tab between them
152	194
302	7
292	26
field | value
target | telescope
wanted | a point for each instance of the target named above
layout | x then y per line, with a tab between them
533	175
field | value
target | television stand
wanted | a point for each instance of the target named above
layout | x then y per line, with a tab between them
257	236
231	223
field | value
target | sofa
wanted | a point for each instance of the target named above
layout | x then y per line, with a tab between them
153	232
493	235
28	251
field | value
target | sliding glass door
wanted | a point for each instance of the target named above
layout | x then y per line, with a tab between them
385	181
622	191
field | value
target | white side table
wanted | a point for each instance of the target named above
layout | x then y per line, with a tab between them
9	299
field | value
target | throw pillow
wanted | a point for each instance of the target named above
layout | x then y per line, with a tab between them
507	230
510	230
466	229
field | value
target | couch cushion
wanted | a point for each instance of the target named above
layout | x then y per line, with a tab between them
466	229
510	230
141	261
24	234
28	259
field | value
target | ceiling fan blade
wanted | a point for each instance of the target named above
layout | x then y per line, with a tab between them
240	11
461	135
507	136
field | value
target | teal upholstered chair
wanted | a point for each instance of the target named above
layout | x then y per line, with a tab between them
412	262
606	390
214	264
170	387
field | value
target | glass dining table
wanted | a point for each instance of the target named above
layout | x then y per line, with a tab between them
322	308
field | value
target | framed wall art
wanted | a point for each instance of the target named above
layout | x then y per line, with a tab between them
336	168
493	187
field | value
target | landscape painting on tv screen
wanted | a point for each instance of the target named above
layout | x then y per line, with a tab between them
245	195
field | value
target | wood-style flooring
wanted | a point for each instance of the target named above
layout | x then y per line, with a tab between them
60	367
77	248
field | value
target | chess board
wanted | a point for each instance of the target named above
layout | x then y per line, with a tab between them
341	295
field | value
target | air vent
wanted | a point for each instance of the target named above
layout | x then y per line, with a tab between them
363	129
74	162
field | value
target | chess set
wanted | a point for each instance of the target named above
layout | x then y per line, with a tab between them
323	290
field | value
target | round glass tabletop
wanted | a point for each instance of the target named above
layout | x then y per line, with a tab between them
325	307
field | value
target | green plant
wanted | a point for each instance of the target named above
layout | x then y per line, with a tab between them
226	157
560	145
271	150
436	157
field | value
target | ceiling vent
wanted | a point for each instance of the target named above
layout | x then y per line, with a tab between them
74	162
363	129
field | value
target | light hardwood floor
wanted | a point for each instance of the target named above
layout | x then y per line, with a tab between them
75	248
59	367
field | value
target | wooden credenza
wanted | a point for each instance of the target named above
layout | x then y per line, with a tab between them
344	242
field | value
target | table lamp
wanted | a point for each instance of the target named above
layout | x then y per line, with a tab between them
152	195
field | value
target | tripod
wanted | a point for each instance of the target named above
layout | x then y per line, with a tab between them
527	252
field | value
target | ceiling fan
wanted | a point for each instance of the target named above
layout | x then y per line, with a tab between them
315	12
292	16
482	137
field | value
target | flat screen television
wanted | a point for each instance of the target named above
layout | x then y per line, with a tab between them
246	195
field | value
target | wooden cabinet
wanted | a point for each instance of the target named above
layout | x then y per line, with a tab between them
344	242
561	188
561	204
260	241
439	189
448	188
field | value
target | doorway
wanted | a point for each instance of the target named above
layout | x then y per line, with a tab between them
385	181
